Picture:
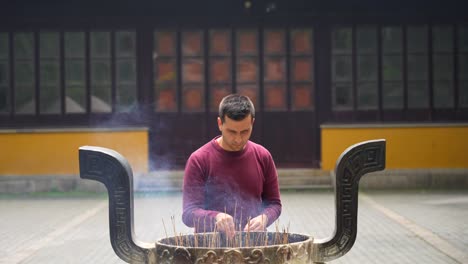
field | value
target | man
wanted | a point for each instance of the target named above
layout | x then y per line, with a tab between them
231	183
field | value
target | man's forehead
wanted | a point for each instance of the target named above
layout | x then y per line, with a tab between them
246	119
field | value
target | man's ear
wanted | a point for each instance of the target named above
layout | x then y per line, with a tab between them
253	120
220	123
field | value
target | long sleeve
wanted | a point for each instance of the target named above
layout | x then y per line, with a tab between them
194	198
271	196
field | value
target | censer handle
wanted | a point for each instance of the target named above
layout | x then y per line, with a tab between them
109	167
354	162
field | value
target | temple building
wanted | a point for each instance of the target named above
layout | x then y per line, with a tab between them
146	77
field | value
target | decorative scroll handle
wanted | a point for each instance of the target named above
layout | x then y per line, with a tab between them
112	169
354	162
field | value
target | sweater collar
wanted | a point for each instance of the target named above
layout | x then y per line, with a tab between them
229	153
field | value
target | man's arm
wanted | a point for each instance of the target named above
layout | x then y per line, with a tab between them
271	196
193	198
194	213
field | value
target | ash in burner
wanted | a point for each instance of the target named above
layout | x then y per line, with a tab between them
240	240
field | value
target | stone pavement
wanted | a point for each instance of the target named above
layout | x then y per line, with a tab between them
393	227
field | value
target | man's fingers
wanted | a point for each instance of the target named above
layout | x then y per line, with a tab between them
252	226
231	231
255	227
226	224
255	224
228	228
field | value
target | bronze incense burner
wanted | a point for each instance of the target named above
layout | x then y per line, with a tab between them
262	249
112	169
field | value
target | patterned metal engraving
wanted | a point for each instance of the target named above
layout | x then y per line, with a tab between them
110	168
234	256
355	161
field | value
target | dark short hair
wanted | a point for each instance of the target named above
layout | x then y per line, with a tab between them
236	107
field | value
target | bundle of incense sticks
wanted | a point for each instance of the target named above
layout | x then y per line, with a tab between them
217	239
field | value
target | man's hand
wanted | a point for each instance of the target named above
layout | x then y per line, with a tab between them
225	223
258	223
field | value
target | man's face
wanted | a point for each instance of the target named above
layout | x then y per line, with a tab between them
235	134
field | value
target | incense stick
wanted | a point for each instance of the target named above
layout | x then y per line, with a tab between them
214	238
165	230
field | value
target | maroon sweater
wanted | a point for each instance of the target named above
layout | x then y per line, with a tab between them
244	184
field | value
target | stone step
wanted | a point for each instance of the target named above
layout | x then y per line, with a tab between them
288	179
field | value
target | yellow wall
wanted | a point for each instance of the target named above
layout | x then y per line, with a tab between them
407	147
56	152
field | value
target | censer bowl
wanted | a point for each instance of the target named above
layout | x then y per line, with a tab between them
245	247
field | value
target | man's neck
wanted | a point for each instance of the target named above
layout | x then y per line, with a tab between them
220	141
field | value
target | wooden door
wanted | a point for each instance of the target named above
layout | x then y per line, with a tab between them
195	69
289	121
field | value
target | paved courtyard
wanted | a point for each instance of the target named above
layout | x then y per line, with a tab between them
393	227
